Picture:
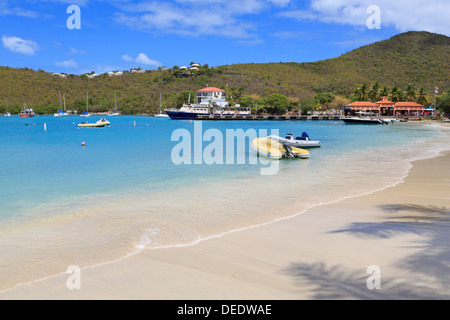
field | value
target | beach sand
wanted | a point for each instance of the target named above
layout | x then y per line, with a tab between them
323	253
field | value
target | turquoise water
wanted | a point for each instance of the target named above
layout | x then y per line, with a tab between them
40	166
122	192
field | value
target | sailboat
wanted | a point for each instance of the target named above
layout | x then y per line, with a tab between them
86	114
161	115
114	113
7	114
62	112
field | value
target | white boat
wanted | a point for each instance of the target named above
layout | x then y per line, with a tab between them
391	120
299	142
62	112
7	114
86	114
210	101
27	112
364	118
161	115
99	124
115	112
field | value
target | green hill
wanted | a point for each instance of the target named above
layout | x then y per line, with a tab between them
418	58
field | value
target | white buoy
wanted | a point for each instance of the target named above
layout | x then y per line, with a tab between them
45	127
134	122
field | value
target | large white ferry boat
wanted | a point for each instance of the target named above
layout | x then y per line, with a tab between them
210	101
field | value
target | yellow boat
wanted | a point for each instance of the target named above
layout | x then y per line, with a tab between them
99	124
275	150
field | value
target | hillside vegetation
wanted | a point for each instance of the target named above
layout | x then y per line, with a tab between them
414	59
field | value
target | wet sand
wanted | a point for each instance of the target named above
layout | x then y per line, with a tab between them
323	253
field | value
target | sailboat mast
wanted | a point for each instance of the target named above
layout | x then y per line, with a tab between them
64	97
87	101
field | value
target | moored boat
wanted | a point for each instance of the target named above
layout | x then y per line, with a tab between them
300	142
160	114
27	112
363	118
115	112
210	101
99	124
275	150
86	114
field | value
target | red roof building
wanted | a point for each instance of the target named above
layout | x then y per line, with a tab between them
211	89
385	102
384	107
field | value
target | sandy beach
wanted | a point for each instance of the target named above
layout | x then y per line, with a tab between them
323	253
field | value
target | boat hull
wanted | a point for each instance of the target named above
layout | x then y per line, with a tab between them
162	115
362	121
176	115
98	124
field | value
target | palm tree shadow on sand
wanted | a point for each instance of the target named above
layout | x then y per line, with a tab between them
433	258
336	282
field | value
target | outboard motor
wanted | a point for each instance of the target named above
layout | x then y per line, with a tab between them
289	153
305	136
289	136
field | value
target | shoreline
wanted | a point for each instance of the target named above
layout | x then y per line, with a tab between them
169	266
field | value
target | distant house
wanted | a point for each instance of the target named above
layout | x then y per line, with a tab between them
137	71
193	68
91	76
117	73
195	65
59	75
184	68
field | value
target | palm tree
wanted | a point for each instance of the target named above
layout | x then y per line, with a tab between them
423	97
384	92
396	94
411	93
374	93
361	93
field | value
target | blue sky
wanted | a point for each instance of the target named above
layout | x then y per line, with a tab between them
124	34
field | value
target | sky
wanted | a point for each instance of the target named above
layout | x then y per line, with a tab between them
80	36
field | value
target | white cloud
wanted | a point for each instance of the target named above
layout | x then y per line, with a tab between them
7	9
197	17
127	58
67	64
76	51
404	15
142	59
16	44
